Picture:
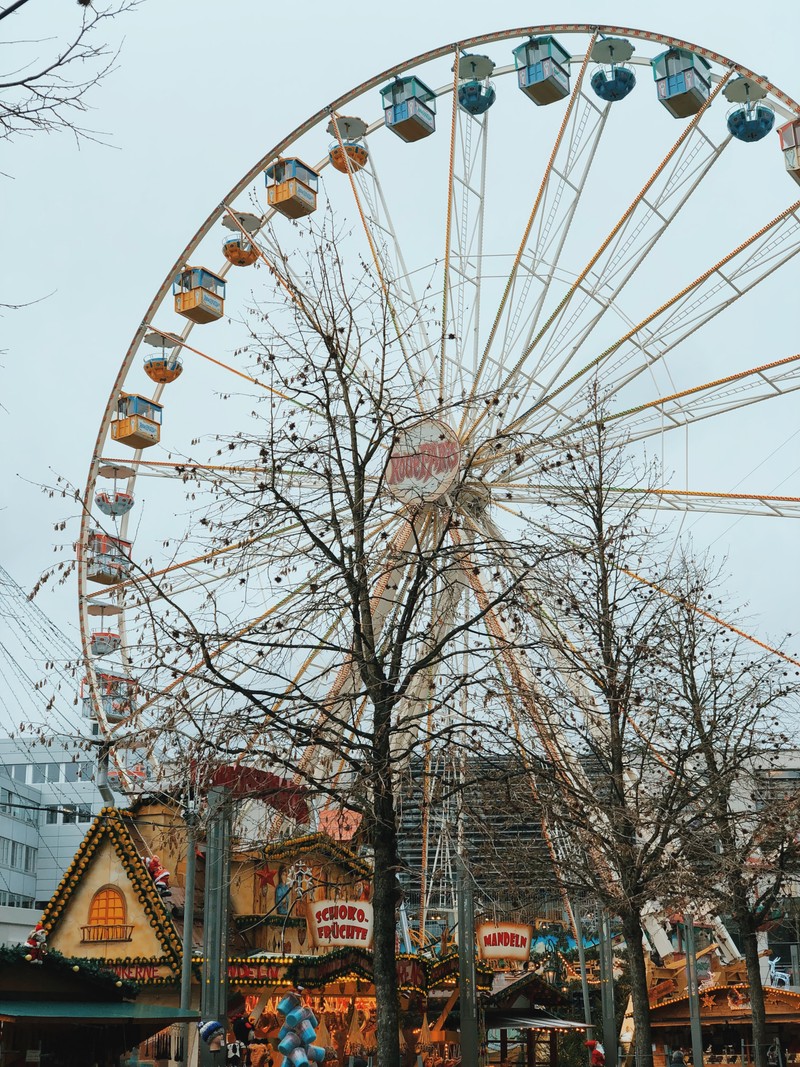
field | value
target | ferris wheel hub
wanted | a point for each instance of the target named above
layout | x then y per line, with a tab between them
424	462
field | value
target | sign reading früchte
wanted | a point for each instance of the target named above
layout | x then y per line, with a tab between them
340	922
506	941
423	463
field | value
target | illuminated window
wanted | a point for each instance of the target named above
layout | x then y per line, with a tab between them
108	906
107	917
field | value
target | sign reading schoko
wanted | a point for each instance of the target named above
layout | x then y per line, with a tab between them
340	922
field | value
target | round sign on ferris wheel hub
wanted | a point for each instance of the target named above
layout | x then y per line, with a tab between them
424	462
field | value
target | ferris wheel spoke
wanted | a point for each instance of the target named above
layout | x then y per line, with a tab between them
675	500
189	470
180	342
448	226
563	194
682	315
641	230
710	503
581	278
478	383
394	278
194	561
466	267
523	687
765	382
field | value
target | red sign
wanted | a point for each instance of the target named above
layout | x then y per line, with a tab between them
424	462
504	941
266	972
340	922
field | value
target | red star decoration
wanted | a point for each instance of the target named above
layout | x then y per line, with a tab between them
267	876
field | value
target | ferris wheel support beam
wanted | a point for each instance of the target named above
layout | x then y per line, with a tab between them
448	224
529	225
379	218
523	683
376	259
688	301
577	187
623	257
767	381
193	669
382	601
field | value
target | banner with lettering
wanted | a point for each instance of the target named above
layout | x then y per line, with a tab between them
504	941
340	922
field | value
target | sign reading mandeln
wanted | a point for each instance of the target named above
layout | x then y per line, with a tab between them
334	923
504	941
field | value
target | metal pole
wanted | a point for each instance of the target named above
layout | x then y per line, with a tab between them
610	1042
188	927
795	956
693	990
467	998
214	991
587	1006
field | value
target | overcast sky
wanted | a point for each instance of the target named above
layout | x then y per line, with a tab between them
201	90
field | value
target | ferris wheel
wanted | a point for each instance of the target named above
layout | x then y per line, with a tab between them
538	211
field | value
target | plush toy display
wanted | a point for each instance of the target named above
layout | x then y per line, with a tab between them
598	1054
36	944
243	1029
159	874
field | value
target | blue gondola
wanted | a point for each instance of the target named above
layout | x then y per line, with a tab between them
614	80
750	118
683	81
476	93
751	122
543	69
409	108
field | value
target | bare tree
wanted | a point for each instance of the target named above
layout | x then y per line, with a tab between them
739	706
344	625
47	88
613	783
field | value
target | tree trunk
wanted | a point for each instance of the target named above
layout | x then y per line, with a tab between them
758	1011
384	900
643	1038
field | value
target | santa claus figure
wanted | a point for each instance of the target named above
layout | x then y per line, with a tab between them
597	1054
36	944
159	874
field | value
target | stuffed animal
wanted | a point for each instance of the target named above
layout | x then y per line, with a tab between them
159	874
36	944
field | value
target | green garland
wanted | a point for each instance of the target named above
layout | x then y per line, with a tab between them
293	846
243	922
354	961
68	966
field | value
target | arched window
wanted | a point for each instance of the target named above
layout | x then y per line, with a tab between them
107	914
